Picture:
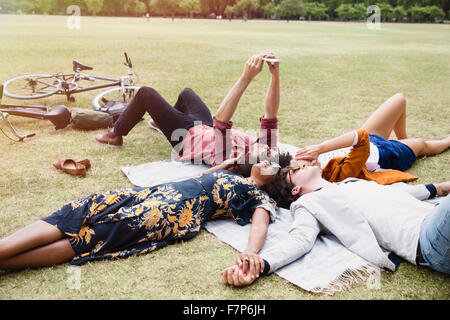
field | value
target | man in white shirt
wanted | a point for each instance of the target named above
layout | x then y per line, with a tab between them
369	219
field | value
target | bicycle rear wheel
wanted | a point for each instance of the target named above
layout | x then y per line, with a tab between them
32	86
119	95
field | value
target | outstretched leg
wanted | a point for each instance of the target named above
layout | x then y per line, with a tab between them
422	147
35	235
390	116
48	255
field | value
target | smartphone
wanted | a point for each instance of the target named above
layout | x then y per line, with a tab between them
271	60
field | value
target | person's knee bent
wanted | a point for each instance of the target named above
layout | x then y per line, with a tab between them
146	91
187	92
400	96
400	99
146	96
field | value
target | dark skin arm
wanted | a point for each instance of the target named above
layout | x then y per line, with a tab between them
249	264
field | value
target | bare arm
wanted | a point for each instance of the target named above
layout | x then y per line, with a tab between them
226	164
258	230
228	106
249	264
272	102
256	239
312	152
292	246
223	166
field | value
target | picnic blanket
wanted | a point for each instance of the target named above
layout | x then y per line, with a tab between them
328	268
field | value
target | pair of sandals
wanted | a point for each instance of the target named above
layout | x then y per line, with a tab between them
70	166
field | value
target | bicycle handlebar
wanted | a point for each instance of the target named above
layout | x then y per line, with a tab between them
128	60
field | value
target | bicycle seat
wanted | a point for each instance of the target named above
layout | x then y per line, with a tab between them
77	65
60	117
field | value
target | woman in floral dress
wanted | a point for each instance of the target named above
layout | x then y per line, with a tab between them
136	221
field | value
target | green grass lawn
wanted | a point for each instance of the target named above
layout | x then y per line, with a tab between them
333	76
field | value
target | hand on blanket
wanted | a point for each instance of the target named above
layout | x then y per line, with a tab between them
235	276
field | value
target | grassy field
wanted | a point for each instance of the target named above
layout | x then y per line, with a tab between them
333	76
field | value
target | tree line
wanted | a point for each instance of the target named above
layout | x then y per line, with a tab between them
390	10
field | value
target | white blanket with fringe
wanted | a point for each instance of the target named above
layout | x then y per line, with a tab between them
329	266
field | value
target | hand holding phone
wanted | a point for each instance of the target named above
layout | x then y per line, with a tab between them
271	60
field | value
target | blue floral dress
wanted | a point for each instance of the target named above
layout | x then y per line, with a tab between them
136	221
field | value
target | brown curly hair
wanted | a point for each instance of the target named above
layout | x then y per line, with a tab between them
280	190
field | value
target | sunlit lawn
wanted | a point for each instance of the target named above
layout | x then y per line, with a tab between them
333	76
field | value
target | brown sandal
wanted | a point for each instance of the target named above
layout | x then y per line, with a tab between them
86	163
72	167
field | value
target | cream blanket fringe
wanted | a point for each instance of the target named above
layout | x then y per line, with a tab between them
350	277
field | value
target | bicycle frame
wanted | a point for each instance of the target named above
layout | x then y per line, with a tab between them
68	83
68	91
77	76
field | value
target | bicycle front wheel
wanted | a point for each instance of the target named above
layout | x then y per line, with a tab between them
118	95
31	86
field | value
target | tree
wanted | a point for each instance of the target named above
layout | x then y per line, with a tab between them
269	9
386	11
94	6
165	7
315	10
359	11
345	11
9	5
44	6
217	7
245	7
436	13
190	7
332	5
140	7
399	13
230	11
417	13
291	8
320	11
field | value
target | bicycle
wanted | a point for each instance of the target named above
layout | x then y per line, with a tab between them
60	116
41	85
